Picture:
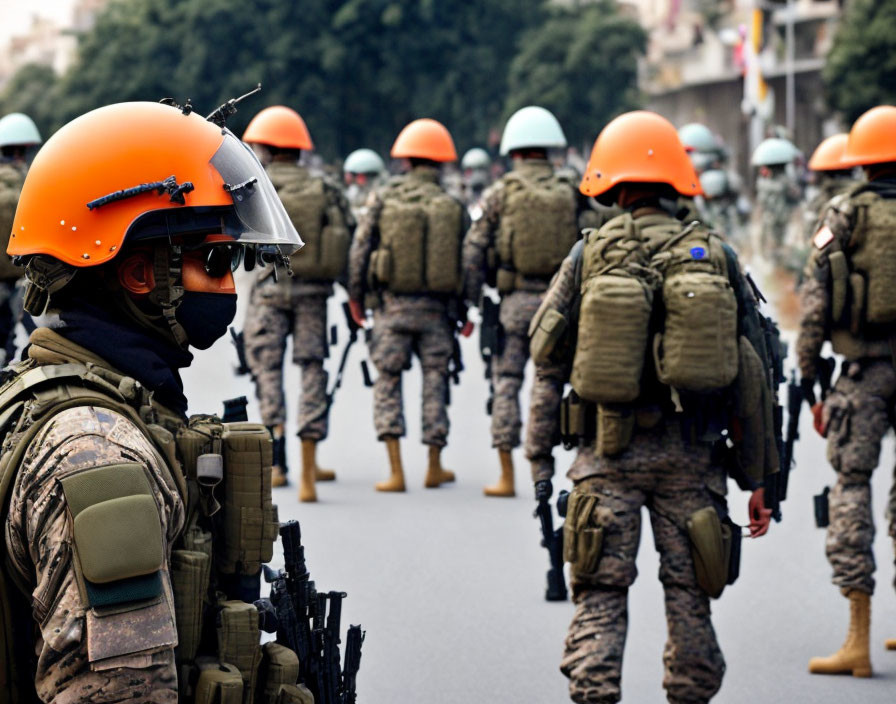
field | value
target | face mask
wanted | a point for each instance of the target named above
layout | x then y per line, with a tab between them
205	316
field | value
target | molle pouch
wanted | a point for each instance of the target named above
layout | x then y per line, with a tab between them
859	295
544	335
614	429
381	266
119	551
572	420
292	694
582	539
197	446
218	683
190	571
822	508
248	526
238	639
710	549
839	284
335	241
279	667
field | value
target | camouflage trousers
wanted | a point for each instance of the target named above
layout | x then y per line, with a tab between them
123	653
670	478
858	414
268	324
401	329
509	365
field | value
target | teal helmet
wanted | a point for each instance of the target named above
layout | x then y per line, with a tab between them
774	151
363	161
714	183
532	127
698	138
17	129
476	158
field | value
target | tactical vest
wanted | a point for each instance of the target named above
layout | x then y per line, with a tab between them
538	225
420	236
651	287
10	186
318	220
222	471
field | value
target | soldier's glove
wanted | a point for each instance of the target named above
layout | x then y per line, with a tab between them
808	388
543	490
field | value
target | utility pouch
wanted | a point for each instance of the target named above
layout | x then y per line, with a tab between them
582	540
238	639
505	281
279	667
197	445
614	429
545	335
190	572
381	266
291	694
840	280
248	526
859	292
574	420
822	508
218	683
711	550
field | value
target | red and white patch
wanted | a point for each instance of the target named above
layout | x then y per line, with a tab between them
823	237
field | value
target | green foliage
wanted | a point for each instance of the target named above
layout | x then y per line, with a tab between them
861	67
582	65
357	70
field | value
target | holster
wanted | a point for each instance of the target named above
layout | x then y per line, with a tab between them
715	548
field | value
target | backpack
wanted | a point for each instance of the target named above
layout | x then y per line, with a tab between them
420	236
10	188
538	225
318	220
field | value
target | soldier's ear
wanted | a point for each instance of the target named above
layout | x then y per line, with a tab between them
135	274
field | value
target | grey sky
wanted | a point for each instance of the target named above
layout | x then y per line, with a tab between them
15	15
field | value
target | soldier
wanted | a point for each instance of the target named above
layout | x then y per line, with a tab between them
848	298
104	522
476	165
363	170
18	134
647	407
530	222
831	178
776	192
296	305
405	265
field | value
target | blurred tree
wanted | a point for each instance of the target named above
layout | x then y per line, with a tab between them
582	64
861	67
28	92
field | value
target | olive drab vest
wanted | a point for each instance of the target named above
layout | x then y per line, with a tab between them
222	471
538	224
863	273
11	180
318	219
421	230
654	290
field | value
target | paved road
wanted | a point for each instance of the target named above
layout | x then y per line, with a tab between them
449	584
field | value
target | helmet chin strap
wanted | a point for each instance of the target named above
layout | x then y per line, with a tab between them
167	269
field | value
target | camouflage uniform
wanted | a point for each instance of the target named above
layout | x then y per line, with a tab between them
517	307
828	187
291	306
404	324
776	195
82	656
672	479
858	413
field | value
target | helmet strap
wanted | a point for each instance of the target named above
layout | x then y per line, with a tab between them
44	276
168	274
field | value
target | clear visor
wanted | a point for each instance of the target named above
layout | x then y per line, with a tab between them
261	215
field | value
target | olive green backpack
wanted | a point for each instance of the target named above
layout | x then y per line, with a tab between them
538	226
420	237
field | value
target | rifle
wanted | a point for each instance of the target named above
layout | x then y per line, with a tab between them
353	641
332	665
238	340
353	329
489	343
552	540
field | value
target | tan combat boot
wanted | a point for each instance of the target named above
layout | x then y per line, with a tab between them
307	492
395	482
436	475
504	487
852	658
890	644
320	475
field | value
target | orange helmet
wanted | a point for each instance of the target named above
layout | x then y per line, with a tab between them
639	147
828	156
143	170
872	139
424	139
279	126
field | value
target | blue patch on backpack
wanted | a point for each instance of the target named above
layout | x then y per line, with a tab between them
698	253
